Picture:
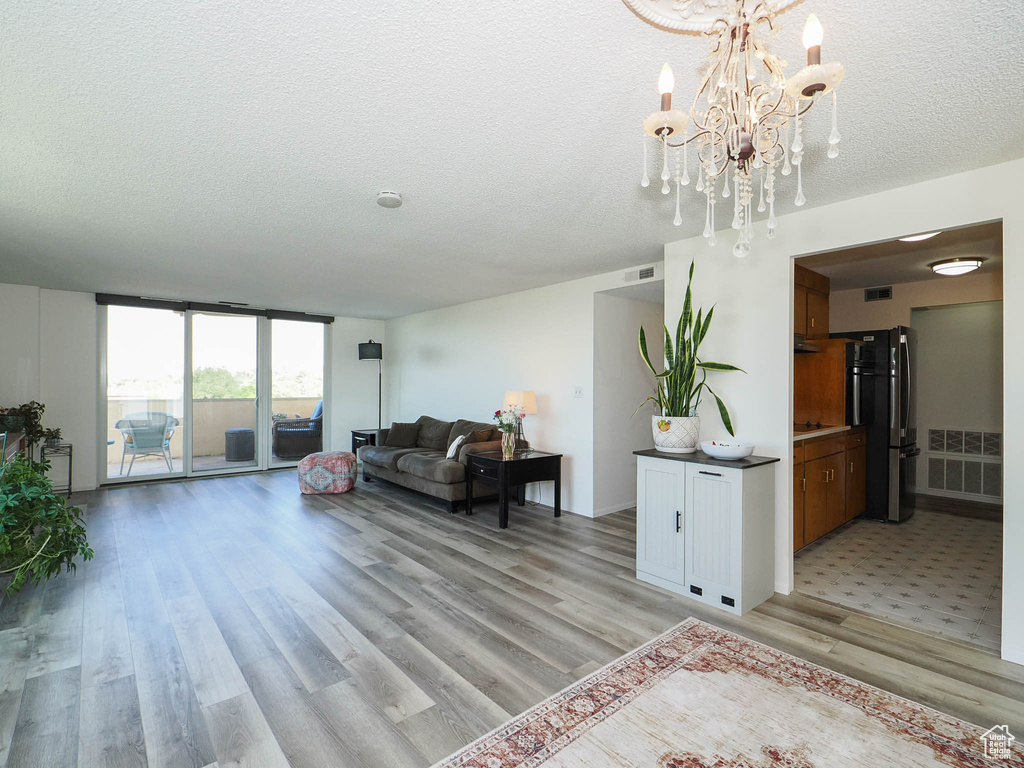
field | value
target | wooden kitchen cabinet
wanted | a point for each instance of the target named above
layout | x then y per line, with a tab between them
799	491
817	315
856	481
810	304
825	486
800	311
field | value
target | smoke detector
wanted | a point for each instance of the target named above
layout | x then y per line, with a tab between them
389	200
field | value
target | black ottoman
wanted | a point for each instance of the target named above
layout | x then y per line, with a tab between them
239	444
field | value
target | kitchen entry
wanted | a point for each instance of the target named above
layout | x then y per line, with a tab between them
897	435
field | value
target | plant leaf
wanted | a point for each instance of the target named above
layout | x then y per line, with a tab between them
719	367
722	411
669	356
643	350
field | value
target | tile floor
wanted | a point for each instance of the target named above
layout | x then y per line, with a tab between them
935	571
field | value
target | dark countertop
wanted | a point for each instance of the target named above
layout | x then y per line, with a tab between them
699	457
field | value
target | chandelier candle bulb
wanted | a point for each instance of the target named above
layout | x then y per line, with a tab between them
813	35
666	82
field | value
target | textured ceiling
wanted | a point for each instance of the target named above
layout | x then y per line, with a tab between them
232	150
895	262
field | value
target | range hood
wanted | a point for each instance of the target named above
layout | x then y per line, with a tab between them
800	344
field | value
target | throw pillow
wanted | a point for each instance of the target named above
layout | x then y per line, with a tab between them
453	449
402	435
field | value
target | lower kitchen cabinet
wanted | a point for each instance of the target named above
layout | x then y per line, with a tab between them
705	528
856	481
828	490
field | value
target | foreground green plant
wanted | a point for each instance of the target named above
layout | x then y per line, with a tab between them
677	390
39	533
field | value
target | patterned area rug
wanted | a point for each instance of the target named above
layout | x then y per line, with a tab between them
701	697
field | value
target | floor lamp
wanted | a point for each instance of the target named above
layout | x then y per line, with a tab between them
374	350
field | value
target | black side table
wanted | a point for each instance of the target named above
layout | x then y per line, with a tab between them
61	449
361	437
516	472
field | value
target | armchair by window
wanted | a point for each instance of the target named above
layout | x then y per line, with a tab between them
147	434
296	438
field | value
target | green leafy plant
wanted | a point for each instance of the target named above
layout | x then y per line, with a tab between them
678	389
39	533
27	418
52	435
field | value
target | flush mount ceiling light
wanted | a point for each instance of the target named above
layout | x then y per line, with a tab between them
919	238
389	200
745	112
953	267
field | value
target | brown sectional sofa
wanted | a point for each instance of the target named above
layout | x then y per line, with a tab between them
424	467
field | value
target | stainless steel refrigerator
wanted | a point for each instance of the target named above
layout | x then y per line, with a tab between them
887	385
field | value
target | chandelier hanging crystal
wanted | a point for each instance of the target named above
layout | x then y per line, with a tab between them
744	127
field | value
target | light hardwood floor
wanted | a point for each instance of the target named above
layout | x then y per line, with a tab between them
233	621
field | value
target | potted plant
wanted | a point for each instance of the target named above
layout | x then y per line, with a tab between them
51	437
678	389
26	418
39	533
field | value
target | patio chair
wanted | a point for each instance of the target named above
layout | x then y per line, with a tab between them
146	434
296	438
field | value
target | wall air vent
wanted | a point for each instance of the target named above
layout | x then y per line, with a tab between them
878	294
644	273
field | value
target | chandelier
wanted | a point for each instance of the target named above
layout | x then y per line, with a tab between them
744	128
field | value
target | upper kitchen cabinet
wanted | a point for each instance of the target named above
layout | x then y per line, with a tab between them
810	311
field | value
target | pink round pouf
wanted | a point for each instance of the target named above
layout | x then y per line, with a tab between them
328	472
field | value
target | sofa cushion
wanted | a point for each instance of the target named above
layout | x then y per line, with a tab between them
433	433
402	435
384	456
433	466
470	428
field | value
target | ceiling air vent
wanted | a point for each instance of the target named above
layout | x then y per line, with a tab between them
644	273
878	294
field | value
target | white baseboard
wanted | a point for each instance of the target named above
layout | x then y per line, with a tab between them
614	508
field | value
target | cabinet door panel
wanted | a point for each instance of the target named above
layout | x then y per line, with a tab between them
817	315
856	482
798	507
836	491
659	540
800	311
712	527
816	500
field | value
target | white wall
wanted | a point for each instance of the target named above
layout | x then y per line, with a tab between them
754	325
621	382
459	361
48	353
353	381
849	312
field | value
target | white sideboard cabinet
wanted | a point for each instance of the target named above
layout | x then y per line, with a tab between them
705	528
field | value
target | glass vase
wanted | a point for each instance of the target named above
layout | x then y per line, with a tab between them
508	444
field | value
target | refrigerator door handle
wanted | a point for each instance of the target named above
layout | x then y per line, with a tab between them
856	420
910	386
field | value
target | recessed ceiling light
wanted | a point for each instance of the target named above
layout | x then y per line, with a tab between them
389	200
953	267
919	238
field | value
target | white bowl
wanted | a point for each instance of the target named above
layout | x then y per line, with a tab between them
720	449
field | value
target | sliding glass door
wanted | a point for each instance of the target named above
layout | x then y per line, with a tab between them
225	363
297	390
144	399
198	391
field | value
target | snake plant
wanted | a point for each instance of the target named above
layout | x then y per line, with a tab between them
678	389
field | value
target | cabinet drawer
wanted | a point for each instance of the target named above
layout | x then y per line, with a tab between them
488	470
798	453
856	439
826	446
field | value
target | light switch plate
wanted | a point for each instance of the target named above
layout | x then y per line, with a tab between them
577	392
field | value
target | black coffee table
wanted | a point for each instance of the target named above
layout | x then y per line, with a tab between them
522	468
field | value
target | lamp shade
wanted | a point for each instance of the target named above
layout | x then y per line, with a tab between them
526	400
371	350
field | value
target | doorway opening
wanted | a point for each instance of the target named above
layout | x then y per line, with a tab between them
898	409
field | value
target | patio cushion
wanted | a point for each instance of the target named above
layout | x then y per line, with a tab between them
433	466
385	456
433	433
